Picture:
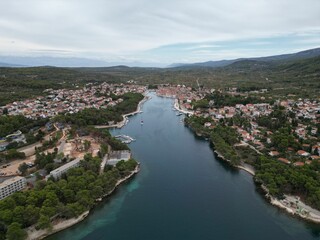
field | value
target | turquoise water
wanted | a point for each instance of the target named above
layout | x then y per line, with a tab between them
183	192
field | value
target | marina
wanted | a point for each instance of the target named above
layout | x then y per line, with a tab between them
125	139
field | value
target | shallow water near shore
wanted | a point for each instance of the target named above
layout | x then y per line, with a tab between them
183	192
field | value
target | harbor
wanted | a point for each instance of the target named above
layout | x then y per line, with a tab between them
125	138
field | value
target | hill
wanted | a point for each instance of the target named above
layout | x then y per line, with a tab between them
284	57
296	76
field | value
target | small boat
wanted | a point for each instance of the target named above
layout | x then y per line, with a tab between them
141	122
179	114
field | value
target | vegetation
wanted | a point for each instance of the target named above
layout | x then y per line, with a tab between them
69	197
297	77
282	179
221	100
10	155
93	116
223	139
10	124
278	177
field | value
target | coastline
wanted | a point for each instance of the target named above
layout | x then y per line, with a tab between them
125	116
291	204
177	107
34	234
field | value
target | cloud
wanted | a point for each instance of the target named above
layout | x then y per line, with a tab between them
129	28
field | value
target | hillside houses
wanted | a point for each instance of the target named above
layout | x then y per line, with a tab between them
71	101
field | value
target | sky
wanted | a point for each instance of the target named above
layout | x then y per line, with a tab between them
158	32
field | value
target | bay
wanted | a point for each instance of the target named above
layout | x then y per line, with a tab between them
183	192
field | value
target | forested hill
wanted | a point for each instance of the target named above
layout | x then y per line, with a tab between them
284	57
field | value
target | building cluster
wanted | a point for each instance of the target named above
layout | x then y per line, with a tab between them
260	138
71	101
303	108
185	95
248	110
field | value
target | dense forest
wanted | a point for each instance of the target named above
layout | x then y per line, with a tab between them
69	197
282	179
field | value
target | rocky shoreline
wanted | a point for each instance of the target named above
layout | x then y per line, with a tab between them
34	234
291	204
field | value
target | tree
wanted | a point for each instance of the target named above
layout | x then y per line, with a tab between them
87	145
5	111
15	232
23	167
43	222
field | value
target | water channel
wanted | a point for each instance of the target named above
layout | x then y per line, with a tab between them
183	192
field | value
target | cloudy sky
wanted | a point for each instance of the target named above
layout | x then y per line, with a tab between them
158	31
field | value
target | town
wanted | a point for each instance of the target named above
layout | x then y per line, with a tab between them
304	113
244	127
265	137
23	161
70	101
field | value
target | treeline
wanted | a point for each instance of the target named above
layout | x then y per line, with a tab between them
197	125
69	197
10	124
223	138
10	155
93	116
277	119
21	83
282	179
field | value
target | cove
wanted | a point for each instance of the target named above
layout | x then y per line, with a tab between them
183	192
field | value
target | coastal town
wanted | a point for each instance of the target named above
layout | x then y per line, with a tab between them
52	150
60	102
70	101
256	126
252	132
252	124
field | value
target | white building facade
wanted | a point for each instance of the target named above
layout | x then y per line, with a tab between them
11	186
57	173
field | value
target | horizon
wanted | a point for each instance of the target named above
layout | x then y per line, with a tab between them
96	63
144	34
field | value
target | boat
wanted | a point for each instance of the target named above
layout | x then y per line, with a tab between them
141	122
179	114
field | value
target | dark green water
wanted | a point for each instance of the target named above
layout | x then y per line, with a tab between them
183	192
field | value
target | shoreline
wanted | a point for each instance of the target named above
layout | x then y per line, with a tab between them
34	234
125	116
177	107
291	204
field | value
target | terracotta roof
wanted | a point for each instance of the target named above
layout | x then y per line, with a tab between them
284	160
298	164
